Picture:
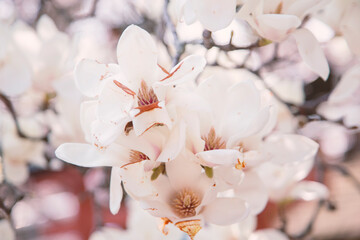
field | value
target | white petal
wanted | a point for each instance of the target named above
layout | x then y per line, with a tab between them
225	211
46	28
350	28
219	157
214	14
253	191
86	155
174	144
242	105
183	171
104	134
137	55
309	190
116	192
276	27
137	182
88	110
186	70
286	148
146	120
115	102
90	73
268	234
6	230
311	52
189	13
347	86
15	74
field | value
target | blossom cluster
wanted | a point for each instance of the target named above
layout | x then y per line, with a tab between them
191	153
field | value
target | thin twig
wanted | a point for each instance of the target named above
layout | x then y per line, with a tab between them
179	46
9	106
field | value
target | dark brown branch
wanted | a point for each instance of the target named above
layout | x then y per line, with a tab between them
9	106
209	43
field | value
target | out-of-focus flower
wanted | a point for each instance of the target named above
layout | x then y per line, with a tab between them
334	139
214	15
19	152
49	51
15	70
6	231
277	20
344	101
343	16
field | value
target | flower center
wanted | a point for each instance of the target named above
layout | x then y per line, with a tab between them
146	95
136	156
212	141
185	202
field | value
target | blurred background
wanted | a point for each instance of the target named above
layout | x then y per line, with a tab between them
42	197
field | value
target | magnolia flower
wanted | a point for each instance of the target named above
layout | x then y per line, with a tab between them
282	176
343	16
213	15
19	152
187	197
126	90
344	102
277	20
235	112
15	71
49	51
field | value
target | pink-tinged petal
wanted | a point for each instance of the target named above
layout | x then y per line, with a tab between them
309	190
15	74
227	177
226	211
86	155
137	56
183	171
174	143
311	52
242	105
158	209
287	148
214	14
88	111
255	126
253	191
186	70
104	134
189	13
347	86
268	234
150	143
305	7
350	28
89	74
16	173
276	27
46	28
352	118
137	182
145	120
115	102
6	230
219	157
116	192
